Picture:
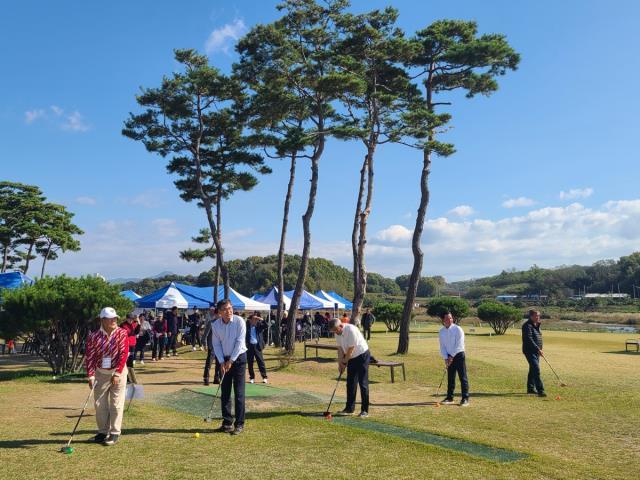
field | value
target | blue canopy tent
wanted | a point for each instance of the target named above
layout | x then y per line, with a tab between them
271	298
11	280
238	301
310	302
338	305
347	304
130	294
170	296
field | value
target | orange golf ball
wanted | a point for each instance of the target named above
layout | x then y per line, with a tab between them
557	397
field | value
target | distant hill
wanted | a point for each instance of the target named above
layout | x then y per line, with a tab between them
118	281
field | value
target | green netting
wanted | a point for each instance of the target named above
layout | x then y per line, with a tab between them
476	449
258	397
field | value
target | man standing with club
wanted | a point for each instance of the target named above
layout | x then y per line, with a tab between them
228	338
452	350
255	344
105	360
367	320
353	354
532	349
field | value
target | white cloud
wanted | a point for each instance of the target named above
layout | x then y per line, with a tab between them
237	234
575	193
86	200
74	122
462	211
165	227
518	202
31	116
148	199
394	233
549	236
220	40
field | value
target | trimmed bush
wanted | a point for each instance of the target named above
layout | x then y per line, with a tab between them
499	316
458	307
390	314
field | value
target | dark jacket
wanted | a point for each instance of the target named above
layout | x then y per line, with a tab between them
368	319
172	322
531	337
261	326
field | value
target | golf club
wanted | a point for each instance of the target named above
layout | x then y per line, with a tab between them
327	414
209	417
67	448
562	384
439	386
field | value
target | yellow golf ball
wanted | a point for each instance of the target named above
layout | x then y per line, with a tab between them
197	435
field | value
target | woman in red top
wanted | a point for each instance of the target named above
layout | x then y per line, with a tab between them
132	327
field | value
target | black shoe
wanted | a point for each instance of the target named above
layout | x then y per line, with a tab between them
542	394
111	440
238	430
464	402
99	438
373	360
206	382
216	381
447	401
532	392
225	428
346	412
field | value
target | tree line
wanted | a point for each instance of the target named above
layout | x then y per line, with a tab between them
318	73
604	276
31	227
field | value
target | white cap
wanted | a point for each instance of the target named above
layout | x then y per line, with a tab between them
108	312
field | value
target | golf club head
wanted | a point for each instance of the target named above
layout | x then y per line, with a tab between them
563	384
66	449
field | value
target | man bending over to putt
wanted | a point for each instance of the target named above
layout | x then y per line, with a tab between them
353	354
452	350
228	337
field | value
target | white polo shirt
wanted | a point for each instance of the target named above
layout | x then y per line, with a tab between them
351	337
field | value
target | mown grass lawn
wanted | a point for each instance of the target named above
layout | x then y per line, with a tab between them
593	431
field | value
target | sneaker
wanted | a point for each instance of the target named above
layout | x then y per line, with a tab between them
142	362
264	380
201	349
252	381
111	440
134	363
193	349
542	394
363	414
225	428
238	430
447	401
99	438
175	354
346	412
464	402
531	392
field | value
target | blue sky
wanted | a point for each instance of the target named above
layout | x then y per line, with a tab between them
545	170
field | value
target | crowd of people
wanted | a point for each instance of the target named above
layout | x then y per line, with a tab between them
234	344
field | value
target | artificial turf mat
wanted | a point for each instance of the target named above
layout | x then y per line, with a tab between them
476	449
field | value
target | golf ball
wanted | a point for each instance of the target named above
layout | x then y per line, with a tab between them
196	435
54	377
558	397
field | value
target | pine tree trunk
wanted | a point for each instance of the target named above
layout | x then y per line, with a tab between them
5	258
223	269
403	341
360	288
44	259
28	259
304	262
283	236
355	233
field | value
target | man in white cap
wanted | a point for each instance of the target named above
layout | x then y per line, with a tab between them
105	359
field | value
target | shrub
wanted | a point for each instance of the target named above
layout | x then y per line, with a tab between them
499	316
390	314
59	312
458	307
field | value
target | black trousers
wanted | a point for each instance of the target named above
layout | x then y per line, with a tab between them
158	347
457	366
171	343
254	353
534	382
367	331
207	366
194	333
358	375
235	376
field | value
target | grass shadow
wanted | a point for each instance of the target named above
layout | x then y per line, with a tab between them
10	375
623	352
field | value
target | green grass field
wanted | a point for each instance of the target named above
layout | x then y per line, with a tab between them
593	431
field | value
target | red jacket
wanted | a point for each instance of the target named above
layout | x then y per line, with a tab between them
99	346
132	329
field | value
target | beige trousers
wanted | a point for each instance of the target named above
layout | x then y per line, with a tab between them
109	401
